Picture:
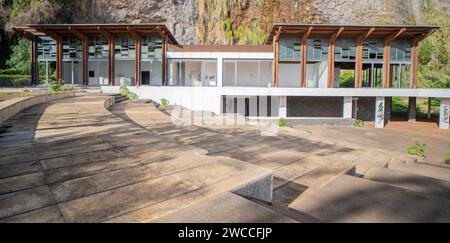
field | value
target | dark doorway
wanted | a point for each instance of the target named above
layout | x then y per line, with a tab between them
145	77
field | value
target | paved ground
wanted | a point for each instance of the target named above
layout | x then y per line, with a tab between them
74	161
71	160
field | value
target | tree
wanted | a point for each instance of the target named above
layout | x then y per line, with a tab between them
20	57
434	69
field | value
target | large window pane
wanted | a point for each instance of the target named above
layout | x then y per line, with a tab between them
247	73
229	74
210	74
192	72
265	73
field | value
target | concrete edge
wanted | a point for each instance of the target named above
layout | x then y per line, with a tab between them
23	103
260	188
350	170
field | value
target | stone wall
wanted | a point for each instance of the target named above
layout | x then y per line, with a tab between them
366	108
315	106
9	108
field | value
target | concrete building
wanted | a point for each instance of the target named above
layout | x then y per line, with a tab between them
295	75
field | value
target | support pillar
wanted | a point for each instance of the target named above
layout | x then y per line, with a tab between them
412	109
282	108
379	112
444	114
85	42
347	107
34	63
164	62
111	62
59	64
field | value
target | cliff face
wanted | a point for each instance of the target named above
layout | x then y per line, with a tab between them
238	21
248	21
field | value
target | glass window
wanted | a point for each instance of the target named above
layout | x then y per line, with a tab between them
192	72
72	48
229	73
289	48
247	73
46	48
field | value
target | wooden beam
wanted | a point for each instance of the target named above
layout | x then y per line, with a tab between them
394	36
331	48
359	57
303	59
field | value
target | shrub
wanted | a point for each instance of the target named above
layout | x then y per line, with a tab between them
417	150
124	91
358	123
447	156
164	103
282	122
132	96
55	87
21	82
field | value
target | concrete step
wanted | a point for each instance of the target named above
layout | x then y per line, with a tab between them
252	183
424	169
352	199
225	208
425	185
119	99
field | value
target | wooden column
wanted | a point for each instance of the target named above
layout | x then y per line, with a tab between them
331	47
164	60
85	42
304	57
59	57
386	65
387	57
414	62
303	61
137	70
359	57
359	65
276	57
330	64
34	63
111	62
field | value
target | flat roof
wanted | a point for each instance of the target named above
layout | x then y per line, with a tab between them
350	30
220	48
90	29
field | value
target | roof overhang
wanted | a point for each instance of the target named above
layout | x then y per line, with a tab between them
52	30
356	31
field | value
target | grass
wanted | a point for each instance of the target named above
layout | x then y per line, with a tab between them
417	150
400	107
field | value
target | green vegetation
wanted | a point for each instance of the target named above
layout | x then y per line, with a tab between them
358	123
164	103
347	79
447	156
19	60
125	92
55	87
282	122
417	150
434	69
